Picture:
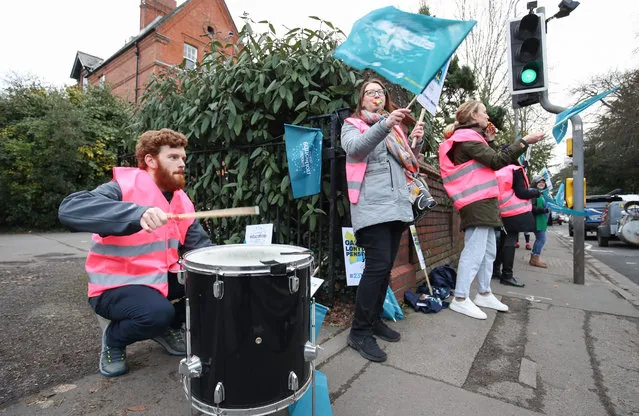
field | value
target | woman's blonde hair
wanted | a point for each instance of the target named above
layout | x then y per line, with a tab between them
462	116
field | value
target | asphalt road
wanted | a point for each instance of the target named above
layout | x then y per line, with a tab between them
619	256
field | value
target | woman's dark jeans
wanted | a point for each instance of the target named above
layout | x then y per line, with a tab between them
381	243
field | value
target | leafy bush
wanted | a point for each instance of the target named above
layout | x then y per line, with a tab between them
233	109
54	142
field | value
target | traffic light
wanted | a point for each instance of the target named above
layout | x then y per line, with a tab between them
527	63
569	147
570	193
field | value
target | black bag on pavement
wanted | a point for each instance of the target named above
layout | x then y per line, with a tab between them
443	276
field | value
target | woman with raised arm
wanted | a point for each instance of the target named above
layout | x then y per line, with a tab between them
468	164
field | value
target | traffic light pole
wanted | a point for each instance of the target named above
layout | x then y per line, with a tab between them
579	227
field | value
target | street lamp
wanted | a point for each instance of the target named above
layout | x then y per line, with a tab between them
565	8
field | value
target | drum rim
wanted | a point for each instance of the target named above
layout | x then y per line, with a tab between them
209	269
251	411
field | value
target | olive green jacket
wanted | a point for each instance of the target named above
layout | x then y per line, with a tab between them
485	213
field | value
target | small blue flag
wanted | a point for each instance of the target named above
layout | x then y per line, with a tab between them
304	155
561	122
546	175
554	206
407	49
561	195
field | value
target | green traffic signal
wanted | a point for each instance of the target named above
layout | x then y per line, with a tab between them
528	76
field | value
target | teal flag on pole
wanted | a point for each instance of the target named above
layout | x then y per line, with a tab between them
561	195
546	175
554	206
561	122
304	155
408	49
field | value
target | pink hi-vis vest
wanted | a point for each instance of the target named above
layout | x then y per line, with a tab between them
142	258
509	204
471	181
355	170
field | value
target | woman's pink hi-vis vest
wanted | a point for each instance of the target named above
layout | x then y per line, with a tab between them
509	204
471	181
142	258
355	170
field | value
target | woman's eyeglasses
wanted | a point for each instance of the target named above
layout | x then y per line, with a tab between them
372	93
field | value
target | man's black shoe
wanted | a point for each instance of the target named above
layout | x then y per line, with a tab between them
382	331
511	281
367	347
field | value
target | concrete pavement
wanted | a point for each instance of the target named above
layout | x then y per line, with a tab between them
563	349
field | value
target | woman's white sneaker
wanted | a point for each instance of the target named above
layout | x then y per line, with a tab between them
468	308
490	301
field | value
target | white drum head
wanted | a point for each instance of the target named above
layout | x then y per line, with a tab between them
234	258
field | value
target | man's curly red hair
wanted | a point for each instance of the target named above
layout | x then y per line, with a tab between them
150	142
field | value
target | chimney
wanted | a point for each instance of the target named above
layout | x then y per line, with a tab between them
150	9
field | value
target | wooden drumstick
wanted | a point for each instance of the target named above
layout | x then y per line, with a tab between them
217	213
421	118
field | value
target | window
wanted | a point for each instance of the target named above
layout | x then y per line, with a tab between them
102	80
85	83
190	55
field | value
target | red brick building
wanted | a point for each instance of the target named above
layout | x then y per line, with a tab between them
168	35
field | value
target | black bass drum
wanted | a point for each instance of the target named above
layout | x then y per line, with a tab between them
249	322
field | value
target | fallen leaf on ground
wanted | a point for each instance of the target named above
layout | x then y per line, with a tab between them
63	388
136	408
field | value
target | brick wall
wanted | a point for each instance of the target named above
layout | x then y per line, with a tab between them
439	237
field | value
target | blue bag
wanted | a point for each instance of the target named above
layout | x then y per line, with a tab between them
429	304
443	276
391	310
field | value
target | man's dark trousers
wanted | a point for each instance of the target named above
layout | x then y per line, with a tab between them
139	312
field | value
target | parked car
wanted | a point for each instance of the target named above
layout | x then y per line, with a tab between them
595	204
620	220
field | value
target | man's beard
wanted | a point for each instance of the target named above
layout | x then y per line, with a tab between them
169	181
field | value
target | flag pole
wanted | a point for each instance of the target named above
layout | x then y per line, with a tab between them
411	103
421	118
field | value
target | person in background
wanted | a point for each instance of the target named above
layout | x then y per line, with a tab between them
135	250
527	238
379	161
541	213
468	164
515	209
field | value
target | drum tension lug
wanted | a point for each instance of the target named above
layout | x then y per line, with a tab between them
181	276
218	393
218	289
293	382
293	284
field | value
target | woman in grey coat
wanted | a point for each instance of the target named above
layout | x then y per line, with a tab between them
381	210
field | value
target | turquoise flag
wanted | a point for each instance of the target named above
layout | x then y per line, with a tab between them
304	155
546	175
407	49
554	206
561	195
561	122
